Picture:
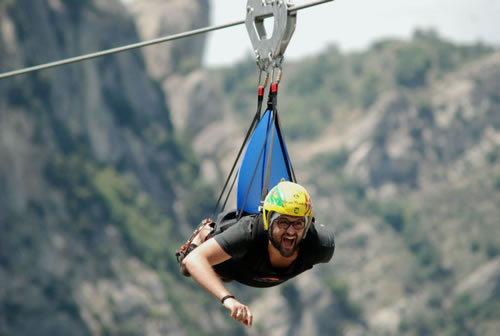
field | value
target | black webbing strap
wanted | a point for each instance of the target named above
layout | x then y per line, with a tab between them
260	98
289	166
229	192
272	104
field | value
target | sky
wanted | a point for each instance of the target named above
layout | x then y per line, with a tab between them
355	24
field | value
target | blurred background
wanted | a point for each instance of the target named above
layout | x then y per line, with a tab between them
106	166
353	25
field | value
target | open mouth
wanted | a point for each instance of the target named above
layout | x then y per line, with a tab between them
288	242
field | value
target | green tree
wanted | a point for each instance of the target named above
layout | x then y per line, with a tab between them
412	66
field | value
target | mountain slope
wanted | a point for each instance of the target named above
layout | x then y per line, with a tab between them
89	192
398	146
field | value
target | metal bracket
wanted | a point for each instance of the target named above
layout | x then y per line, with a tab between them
269	51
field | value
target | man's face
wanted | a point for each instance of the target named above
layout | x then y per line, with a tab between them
287	232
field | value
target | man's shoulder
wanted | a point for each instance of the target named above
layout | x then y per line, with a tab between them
237	236
319	243
253	224
249	226
322	235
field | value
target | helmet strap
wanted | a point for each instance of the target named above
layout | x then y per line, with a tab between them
272	217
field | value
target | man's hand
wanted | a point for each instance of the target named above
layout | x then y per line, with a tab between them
239	311
199	264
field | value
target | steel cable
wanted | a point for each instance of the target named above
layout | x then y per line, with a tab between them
140	44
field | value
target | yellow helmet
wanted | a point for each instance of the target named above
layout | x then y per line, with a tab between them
288	198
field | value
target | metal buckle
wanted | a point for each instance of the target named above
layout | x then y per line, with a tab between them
269	51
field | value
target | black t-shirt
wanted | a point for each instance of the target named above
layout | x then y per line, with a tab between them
246	242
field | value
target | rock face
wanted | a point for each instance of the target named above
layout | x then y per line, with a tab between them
67	265
482	284
437	155
458	128
109	81
198	108
156	18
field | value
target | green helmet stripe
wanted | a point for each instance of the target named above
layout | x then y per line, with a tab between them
276	198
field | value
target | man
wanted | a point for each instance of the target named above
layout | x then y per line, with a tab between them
261	250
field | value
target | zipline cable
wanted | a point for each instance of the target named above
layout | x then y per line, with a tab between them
141	44
118	49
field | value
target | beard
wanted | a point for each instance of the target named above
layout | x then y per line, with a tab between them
285	244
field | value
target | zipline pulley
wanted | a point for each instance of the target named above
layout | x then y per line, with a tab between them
269	50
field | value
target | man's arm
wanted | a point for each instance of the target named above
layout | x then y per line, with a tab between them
199	264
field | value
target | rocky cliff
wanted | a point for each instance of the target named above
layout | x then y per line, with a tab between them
92	181
198	107
427	158
176	65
